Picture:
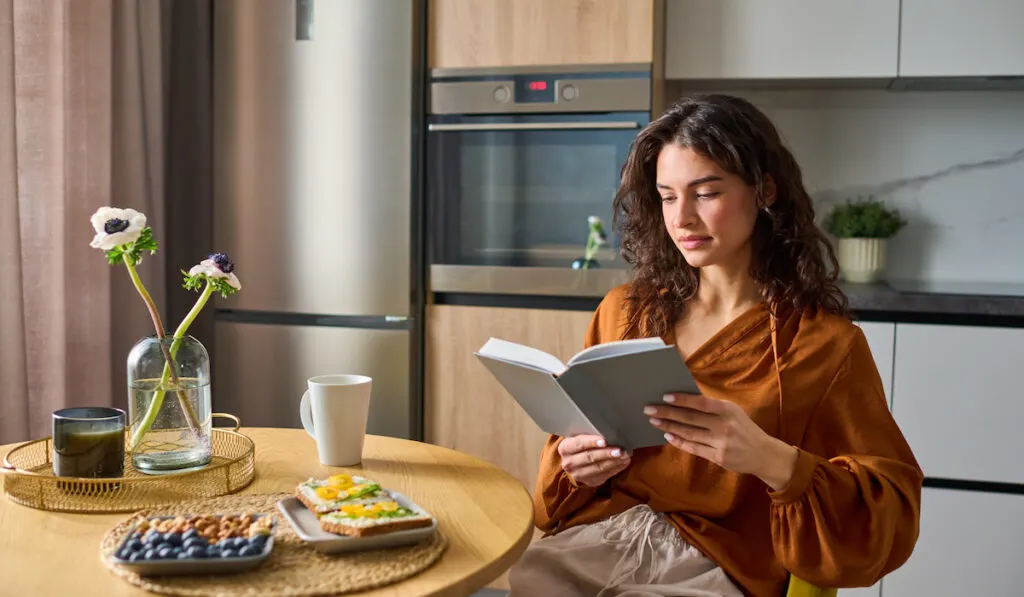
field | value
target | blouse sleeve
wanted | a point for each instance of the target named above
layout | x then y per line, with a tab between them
557	496
851	511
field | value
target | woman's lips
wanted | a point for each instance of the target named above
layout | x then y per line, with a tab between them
694	242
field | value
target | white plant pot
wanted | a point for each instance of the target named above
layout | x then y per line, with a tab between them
862	260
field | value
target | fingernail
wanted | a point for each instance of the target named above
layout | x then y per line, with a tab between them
655	421
616	453
668	398
668	436
650	410
601	443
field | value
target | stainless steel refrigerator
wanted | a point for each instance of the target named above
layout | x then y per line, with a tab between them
315	104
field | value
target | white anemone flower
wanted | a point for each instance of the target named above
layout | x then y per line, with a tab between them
597	233
115	227
217	266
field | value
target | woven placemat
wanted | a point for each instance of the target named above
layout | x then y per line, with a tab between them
294	569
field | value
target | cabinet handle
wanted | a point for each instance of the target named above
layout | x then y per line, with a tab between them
533	126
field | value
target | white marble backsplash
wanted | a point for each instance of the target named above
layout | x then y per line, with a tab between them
952	162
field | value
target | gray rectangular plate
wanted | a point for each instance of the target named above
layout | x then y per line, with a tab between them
307	527
194	566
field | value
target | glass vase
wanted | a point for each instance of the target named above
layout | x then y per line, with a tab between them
169	405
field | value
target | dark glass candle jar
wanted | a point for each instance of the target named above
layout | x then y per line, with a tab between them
88	442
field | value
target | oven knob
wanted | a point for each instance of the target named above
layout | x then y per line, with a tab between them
501	93
569	93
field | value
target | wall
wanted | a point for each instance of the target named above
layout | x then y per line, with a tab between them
952	162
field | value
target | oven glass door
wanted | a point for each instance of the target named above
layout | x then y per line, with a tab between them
517	190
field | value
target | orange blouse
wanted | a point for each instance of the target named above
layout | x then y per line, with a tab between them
850	513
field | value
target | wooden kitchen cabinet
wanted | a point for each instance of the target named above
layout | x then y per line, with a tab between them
781	39
969	545
957	397
504	33
961	38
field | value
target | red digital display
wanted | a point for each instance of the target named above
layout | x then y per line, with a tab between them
538	85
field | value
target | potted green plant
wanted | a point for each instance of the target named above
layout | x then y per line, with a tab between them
863	227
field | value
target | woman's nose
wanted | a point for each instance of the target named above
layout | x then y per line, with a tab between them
685	214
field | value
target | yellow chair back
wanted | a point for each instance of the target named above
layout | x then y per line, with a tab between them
801	588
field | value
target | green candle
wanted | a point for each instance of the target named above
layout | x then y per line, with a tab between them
88	442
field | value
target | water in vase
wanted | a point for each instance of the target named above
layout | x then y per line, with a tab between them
170	444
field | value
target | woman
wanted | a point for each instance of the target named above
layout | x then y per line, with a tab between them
790	461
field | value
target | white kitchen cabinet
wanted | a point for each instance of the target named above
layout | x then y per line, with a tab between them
881	337
969	545
781	39
958	398
958	38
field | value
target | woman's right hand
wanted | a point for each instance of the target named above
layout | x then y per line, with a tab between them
589	460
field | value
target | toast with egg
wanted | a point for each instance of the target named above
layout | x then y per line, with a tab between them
327	495
374	516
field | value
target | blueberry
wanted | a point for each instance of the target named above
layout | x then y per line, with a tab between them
196	552
195	542
228	553
123	554
135	557
240	542
152	538
182	556
149	554
165	553
213	551
258	541
162	545
172	538
190	534
249	551
177	550
134	545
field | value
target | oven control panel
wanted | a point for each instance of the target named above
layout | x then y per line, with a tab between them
539	93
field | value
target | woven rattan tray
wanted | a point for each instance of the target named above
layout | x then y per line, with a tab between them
28	478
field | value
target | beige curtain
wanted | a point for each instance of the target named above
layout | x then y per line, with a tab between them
82	125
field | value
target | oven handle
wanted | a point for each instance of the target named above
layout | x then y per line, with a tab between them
532	126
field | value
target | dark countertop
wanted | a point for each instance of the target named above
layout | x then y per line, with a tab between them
881	297
563	288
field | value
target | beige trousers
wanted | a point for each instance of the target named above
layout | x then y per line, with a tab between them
637	553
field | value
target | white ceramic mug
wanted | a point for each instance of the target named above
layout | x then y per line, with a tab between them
334	411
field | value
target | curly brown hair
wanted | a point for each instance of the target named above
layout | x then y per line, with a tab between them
789	250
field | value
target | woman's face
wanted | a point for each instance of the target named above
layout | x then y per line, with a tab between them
708	212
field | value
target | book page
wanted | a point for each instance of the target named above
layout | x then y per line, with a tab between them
525	355
541	396
607	349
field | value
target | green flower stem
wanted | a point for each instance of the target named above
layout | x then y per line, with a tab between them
154	406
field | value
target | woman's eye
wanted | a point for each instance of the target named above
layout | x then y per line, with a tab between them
667	199
710	195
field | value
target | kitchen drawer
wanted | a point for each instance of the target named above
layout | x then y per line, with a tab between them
969	545
957	397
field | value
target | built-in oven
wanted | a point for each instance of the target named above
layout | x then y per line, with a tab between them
518	161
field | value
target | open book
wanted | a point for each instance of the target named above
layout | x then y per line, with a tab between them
601	390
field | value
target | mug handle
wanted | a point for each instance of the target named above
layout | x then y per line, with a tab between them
306	414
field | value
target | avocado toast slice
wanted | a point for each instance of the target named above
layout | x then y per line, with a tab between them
327	495
373	516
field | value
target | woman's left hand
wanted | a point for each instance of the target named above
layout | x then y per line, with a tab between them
720	431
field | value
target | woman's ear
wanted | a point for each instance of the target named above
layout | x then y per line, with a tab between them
768	189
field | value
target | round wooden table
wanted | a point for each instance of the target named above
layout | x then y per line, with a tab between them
485	513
